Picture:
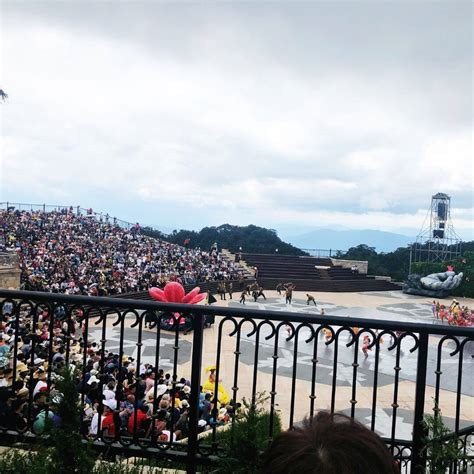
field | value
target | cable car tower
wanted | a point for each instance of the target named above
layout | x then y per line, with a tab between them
437	241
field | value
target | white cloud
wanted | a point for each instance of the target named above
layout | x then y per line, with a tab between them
239	120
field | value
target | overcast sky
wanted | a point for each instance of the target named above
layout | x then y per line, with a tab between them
272	113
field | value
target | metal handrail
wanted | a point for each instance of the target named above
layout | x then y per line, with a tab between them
106	301
97	310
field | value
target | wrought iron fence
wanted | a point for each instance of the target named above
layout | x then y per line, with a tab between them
305	363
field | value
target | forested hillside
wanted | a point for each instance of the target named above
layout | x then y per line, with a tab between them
250	238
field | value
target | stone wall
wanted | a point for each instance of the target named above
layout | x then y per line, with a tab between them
9	270
362	265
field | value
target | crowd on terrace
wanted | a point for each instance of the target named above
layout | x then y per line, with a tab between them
119	397
66	252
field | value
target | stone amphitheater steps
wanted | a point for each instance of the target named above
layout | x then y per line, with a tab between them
312	274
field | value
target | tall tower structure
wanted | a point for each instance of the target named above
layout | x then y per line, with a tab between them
437	240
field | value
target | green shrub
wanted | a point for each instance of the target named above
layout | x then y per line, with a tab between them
17	461
247	438
25	462
442	448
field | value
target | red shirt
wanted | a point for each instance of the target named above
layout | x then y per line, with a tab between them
140	416
109	425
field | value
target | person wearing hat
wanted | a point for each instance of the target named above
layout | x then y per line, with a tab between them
22	392
22	369
39	379
223	416
93	390
210	385
108	424
202	425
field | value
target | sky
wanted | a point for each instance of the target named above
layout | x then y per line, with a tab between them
279	114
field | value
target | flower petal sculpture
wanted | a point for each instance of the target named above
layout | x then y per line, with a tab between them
174	293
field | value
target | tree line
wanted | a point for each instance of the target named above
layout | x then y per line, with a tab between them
248	239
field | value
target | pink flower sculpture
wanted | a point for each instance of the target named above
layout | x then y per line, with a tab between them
174	293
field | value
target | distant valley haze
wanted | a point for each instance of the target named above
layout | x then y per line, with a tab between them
339	238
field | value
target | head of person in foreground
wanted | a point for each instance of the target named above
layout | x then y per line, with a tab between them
329	444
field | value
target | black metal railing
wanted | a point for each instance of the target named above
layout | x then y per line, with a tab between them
305	362
324	253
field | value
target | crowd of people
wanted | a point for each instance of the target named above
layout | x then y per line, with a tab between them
66	252
118	396
454	314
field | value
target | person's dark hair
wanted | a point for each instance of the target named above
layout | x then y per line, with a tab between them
328	444
161	415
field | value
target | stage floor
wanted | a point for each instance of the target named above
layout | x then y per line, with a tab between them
392	306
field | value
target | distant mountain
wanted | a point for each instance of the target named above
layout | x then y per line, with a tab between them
324	238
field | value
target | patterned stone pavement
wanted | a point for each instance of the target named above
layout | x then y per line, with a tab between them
416	311
373	305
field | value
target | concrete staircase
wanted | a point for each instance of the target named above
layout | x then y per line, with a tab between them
312	274
248	272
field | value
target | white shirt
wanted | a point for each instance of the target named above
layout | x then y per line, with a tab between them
94	424
109	394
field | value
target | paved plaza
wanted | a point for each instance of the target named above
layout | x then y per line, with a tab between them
390	306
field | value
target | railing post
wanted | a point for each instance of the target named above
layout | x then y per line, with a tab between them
418	459
198	332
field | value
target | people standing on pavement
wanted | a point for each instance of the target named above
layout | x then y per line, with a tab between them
310	299
210	298
365	345
222	290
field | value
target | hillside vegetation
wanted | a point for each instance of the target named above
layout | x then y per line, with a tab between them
396	264
250	238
